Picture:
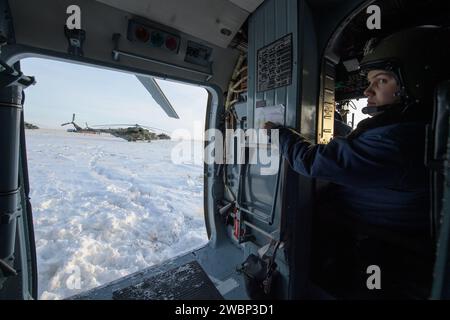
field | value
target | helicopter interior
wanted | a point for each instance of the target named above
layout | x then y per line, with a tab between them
260	227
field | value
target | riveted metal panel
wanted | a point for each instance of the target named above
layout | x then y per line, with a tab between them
272	21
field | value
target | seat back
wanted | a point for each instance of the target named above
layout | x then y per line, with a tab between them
437	153
440	190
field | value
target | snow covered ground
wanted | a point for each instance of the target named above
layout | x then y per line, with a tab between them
104	208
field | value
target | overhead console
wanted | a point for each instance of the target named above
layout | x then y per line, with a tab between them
215	21
152	37
158	45
146	37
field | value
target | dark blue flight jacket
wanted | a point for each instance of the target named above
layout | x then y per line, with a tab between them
379	176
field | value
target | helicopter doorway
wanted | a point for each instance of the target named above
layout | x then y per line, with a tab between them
110	203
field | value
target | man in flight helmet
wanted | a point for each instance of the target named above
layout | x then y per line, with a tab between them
414	61
377	171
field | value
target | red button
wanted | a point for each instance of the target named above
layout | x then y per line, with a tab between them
142	34
171	43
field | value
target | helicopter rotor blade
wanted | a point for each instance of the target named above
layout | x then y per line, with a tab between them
158	95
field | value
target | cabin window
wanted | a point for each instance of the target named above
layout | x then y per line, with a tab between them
105	207
351	113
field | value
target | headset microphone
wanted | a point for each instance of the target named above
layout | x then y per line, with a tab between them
369	110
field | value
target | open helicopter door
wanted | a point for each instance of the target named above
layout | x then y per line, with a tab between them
247	203
265	205
113	35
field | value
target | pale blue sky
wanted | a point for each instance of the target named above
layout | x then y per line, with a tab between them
98	96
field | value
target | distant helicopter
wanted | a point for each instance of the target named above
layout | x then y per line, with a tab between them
132	132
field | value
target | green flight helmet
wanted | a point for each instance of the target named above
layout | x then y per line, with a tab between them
419	58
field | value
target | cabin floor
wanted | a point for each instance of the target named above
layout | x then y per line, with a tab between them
207	273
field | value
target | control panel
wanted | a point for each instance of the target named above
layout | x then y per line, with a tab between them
153	37
199	54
